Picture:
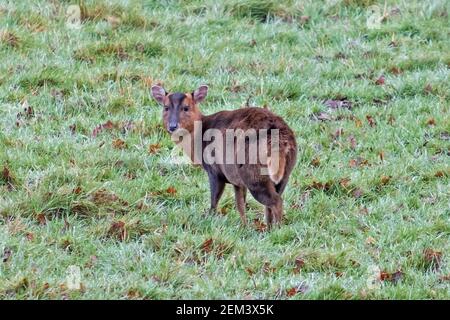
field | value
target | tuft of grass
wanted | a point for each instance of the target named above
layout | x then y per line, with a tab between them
129	17
118	51
359	3
262	11
10	39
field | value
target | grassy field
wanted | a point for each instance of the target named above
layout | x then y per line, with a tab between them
85	180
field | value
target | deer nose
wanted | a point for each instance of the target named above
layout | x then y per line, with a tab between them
173	127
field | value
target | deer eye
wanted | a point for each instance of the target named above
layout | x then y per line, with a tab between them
166	108
185	108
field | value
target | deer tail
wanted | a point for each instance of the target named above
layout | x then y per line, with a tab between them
276	166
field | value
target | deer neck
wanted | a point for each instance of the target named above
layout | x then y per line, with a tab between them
191	142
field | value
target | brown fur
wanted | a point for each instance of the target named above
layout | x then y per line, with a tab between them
267	189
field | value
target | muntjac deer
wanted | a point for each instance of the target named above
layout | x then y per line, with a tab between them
266	179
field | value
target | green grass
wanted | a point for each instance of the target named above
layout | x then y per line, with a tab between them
362	197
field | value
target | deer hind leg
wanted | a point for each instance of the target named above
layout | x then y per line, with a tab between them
274	211
266	194
268	216
240	195
277	211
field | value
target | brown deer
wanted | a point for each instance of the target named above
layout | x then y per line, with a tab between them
181	114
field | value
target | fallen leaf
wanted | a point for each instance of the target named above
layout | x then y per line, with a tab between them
118	230
9	38
358	122
267	268
103	196
291	292
154	148
133	294
206	246
381	155
147	81
397	276
250	271
315	162
385	276
380	81
359	161
319	185
259	225
171	190
391	277
119	144
352	141
344	182
391	120
340	55
433	258
107	125
338	133
42	220
156	193
431	122
370	240
395	70
303	198
7	178
66	244
77	190
385	179
371	121
428	89
28	111
29	236
439	174
445	277
302	288
73	128
129	175
299	264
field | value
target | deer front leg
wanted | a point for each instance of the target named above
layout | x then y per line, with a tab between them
217	186
240	195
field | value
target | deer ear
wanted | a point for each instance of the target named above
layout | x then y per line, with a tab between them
200	93
158	93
